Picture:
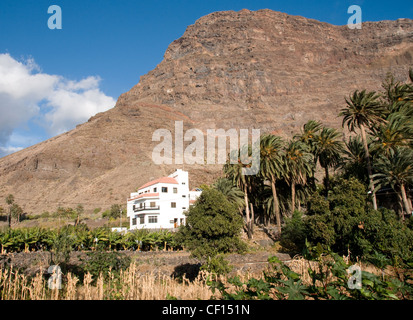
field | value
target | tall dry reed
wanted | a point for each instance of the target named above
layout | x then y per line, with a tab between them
129	284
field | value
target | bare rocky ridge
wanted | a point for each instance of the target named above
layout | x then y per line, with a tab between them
264	69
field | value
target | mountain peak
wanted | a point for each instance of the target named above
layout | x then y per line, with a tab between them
248	69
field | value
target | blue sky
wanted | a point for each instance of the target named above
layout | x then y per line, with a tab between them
104	47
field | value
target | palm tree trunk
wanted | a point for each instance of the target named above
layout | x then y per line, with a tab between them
292	197
327	180
276	204
369	170
252	219
406	205
409	199
9	217
247	211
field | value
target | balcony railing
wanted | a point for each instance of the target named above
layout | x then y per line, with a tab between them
138	209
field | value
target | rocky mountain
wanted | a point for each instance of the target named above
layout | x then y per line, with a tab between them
264	69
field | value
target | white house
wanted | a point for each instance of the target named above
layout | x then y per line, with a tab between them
160	204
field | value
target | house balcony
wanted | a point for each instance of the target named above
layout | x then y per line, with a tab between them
146	208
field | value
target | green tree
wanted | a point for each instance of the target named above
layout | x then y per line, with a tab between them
234	172
116	211
396	132
328	150
354	160
272	167
298	166
346	224
396	171
364	109
308	136
9	201
16	211
213	227
233	194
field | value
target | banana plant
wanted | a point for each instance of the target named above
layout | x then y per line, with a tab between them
153	240
128	241
100	236
83	239
165	238
28	237
140	238
6	241
114	238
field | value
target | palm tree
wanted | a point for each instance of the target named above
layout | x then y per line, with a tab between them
396	93
272	167
10	202
234	172
308	136
364	110
396	170
353	162
328	150
233	194
298	166
396	132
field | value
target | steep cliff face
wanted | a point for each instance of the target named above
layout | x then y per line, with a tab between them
265	70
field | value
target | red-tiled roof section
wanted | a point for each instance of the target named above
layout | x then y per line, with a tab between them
160	180
144	195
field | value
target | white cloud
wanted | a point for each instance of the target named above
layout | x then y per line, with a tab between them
26	93
8	150
70	108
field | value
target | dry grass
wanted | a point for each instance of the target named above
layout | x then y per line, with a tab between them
129	285
132	284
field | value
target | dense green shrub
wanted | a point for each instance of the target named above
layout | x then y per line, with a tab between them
346	224
213	227
217	265
294	233
101	262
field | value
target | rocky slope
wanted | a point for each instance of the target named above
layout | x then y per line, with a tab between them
265	70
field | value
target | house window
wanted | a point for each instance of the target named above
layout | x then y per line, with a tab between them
141	205
164	189
134	207
184	208
173	204
134	221
175	190
154	189
183	196
153	204
153	219
183	182
142	219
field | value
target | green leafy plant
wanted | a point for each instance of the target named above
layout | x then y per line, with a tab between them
213	227
102	262
329	279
